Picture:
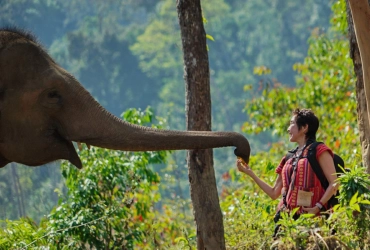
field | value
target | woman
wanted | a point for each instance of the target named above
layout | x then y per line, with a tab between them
296	182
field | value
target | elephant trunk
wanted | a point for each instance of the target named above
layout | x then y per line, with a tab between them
94	125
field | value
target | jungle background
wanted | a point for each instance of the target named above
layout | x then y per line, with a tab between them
266	57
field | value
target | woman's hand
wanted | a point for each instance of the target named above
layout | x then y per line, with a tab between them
274	192
243	167
311	210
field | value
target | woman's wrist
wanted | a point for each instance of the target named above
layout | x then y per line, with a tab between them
319	205
251	173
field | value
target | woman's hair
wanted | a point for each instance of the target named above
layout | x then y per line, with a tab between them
307	117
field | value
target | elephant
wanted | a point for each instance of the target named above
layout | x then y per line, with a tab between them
44	109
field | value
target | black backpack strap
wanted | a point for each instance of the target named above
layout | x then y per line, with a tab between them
311	155
290	154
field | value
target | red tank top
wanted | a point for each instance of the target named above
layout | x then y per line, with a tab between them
305	179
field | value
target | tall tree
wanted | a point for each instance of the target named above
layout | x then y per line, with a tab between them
18	191
361	22
363	117
203	190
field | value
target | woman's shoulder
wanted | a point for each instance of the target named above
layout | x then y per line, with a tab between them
281	165
321	148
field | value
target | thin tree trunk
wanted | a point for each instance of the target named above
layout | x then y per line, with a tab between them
18	190
362	102
203	190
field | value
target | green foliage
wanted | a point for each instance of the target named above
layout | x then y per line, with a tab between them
187	241
104	64
354	182
128	54
28	191
22	234
112	203
109	198
351	222
249	217
295	231
168	226
123	52
246	220
354	200
244	35
326	84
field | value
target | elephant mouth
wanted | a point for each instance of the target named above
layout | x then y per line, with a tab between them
69	153
73	156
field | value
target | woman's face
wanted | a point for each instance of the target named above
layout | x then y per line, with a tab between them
295	134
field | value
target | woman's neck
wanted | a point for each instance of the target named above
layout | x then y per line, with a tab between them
302	144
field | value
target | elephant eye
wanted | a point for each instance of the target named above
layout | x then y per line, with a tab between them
54	97
53	94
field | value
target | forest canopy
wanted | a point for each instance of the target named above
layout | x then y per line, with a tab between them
266	58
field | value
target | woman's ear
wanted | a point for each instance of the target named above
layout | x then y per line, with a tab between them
305	128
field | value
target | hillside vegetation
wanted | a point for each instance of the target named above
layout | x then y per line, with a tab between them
267	58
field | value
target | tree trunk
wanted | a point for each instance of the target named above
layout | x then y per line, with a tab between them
18	190
361	91
203	190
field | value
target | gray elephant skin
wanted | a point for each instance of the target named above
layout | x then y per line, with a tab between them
44	109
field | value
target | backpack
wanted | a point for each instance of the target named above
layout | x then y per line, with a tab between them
311	156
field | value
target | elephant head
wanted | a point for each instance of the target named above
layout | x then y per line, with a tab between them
44	109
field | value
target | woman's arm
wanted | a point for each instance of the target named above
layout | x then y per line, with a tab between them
327	165
274	192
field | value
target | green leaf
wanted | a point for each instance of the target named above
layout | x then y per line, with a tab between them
356	207
353	199
180	239
210	37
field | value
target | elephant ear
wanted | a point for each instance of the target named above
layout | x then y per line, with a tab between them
1	130
2	94
3	161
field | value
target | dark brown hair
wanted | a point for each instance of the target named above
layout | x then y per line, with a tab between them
307	117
